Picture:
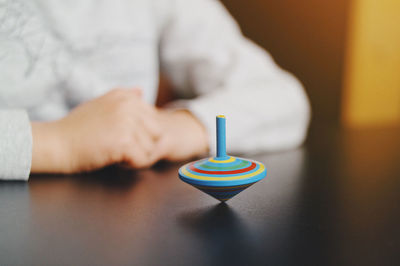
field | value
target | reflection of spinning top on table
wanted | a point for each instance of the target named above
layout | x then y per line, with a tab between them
223	176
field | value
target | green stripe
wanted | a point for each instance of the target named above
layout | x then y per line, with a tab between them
234	167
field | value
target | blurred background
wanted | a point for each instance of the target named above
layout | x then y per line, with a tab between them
346	53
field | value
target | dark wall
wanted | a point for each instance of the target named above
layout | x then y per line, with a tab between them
306	37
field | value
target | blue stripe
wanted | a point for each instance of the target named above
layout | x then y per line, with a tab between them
221	167
207	162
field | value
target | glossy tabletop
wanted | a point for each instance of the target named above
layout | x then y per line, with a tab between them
334	201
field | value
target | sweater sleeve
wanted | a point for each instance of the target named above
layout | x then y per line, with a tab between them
15	145
204	53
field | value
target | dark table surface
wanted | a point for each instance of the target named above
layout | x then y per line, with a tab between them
335	201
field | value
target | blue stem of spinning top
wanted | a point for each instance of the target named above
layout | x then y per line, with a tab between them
221	141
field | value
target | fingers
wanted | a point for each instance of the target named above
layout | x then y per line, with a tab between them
148	118
145	142
161	148
151	126
141	123
141	153
142	150
136	158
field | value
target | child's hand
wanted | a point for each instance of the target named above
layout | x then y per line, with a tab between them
183	136
115	128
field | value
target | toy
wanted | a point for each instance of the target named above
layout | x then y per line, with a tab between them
223	176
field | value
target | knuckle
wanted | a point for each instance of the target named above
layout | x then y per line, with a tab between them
117	91
126	102
121	110
124	142
114	93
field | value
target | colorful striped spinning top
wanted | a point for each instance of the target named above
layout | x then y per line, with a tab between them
223	176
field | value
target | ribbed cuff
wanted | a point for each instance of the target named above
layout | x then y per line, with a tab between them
15	145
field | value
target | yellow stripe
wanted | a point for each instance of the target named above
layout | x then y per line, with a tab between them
199	177
221	116
231	159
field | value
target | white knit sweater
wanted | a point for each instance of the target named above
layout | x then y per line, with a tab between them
57	54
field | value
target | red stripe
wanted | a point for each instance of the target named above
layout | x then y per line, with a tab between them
243	170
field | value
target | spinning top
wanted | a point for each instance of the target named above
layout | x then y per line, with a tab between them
223	176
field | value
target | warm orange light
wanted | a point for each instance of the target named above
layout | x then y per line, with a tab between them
371	93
